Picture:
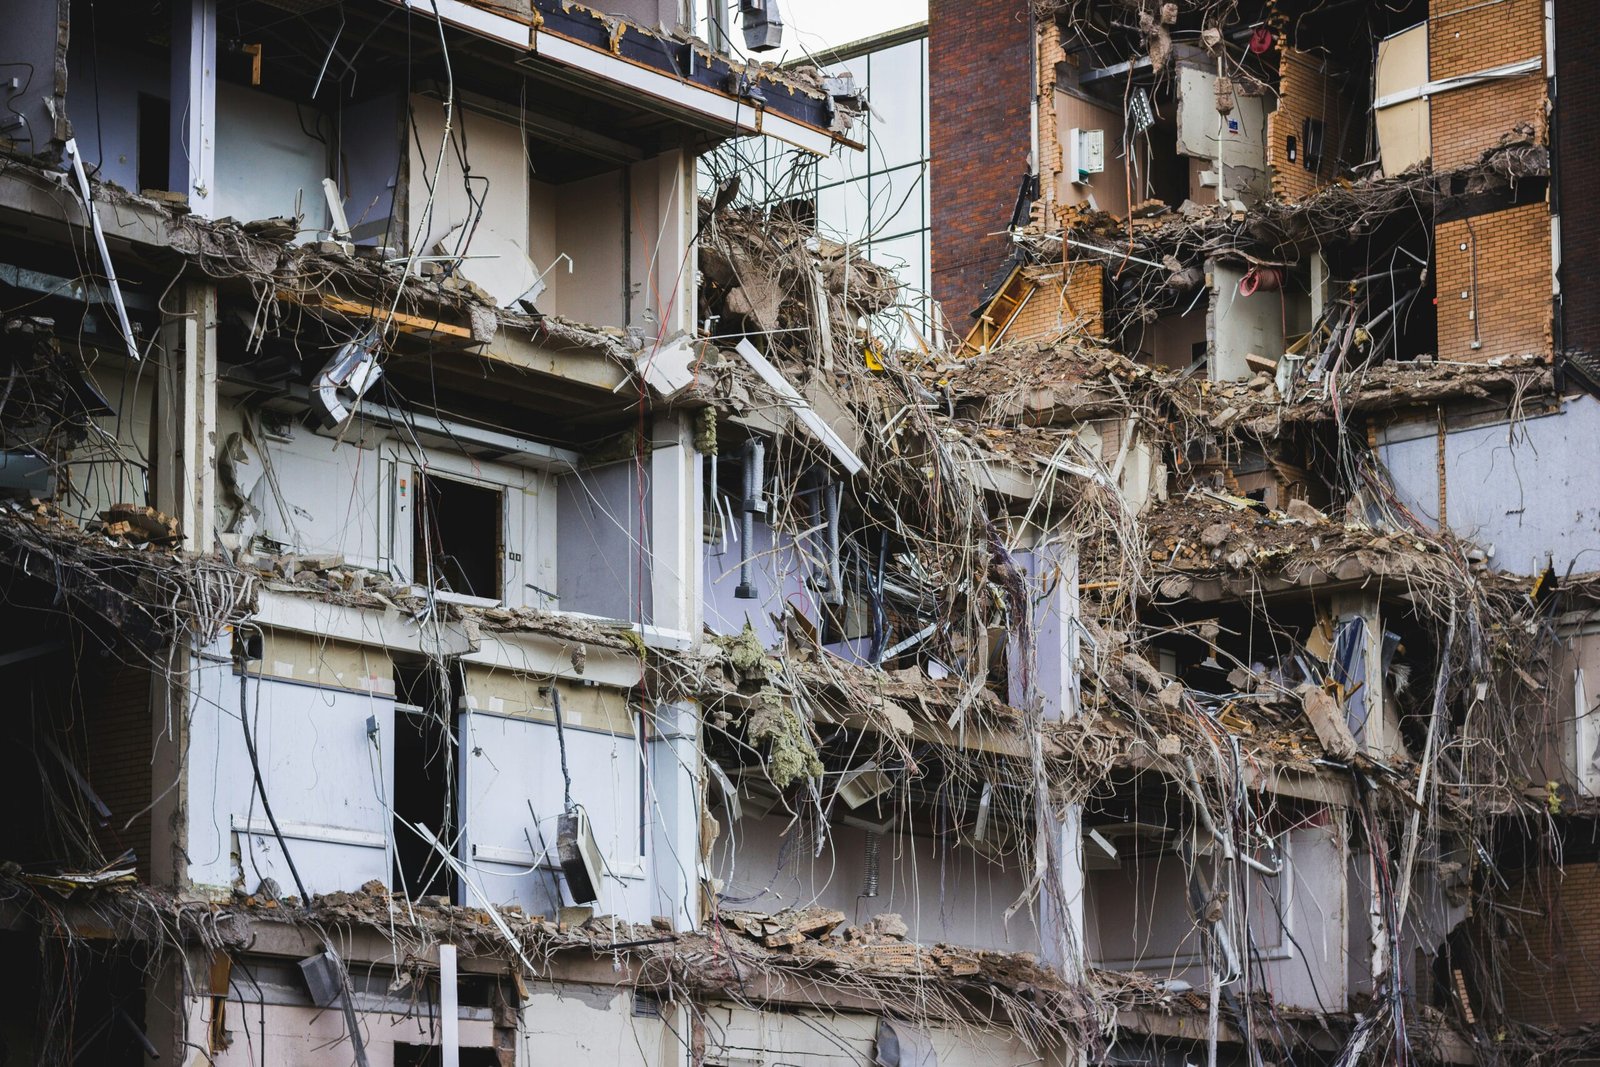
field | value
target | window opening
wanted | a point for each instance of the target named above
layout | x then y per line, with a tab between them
431	1056
460	528
425	761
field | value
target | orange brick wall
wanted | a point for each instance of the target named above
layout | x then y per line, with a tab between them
1074	303
1550	976
1467	36
1305	91
1513	283
1050	162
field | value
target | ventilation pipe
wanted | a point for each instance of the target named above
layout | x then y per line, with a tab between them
763	25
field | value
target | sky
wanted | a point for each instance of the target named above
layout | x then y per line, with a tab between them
819	24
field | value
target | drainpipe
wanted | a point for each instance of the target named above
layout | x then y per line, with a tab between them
754	504
1222	139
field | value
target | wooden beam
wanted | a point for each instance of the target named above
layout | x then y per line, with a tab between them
401	321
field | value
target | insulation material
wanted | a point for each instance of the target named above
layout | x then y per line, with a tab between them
1403	138
1237	139
1350	670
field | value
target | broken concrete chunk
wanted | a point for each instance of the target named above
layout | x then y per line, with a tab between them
1214	535
1141	669
1174	586
898	717
1172	696
889	924
1328	721
483	322
1301	511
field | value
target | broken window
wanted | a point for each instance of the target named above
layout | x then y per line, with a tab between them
74	1000
431	1056
425	778
458	534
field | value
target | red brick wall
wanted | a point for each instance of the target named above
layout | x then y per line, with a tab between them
1550	975
1513	283
1577	143
979	93
1467	36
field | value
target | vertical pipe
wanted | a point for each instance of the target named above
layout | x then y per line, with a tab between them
627	246
751	504
835	568
1213	1003
449	1013
817	520
758	478
1222	196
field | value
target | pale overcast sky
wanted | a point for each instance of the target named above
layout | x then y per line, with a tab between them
814	25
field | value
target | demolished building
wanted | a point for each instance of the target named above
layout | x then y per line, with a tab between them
1310	279
472	599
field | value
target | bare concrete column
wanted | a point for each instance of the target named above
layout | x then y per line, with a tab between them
1378	728
675	778
675	494
1048	671
183	460
675	257
1045	678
